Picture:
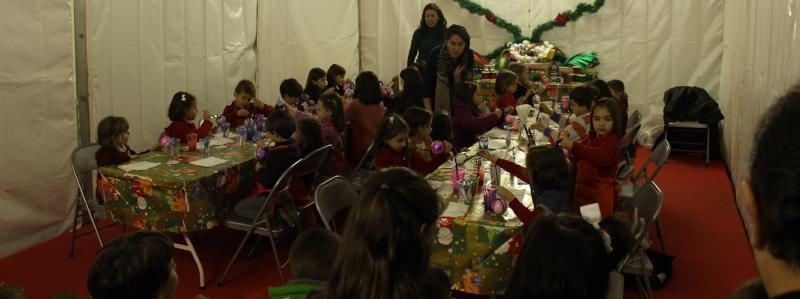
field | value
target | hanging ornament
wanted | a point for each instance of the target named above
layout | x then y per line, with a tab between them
561	20
491	18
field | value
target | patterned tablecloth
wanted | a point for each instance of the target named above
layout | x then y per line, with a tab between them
177	196
478	250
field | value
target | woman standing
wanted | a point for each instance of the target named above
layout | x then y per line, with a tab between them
429	34
447	64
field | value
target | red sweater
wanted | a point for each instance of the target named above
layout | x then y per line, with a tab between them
386	158
364	122
596	159
110	156
179	129
523	213
506	100
230	113
467	126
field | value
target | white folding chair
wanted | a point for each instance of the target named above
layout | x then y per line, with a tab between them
82	162
333	196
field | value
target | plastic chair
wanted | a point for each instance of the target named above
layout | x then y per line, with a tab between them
647	203
333	196
261	225
83	161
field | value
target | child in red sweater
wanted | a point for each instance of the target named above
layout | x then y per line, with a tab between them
330	112
182	112
505	86
596	158
391	148
420	124
244	104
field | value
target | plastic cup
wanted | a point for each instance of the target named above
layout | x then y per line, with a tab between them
173	147
191	139
225	128
242	135
206	147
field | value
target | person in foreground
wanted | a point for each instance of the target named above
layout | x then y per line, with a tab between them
386	246
770	198
311	258
135	266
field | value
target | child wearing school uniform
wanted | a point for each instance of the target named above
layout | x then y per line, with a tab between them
468	122
244	105
578	123
425	160
596	157
182	112
505	86
331	118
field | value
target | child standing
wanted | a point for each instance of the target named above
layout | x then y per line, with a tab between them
244	105
420	125
505	86
619	94
577	125
468	122
331	118
182	112
596	158
279	126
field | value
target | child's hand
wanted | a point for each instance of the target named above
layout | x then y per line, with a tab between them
503	193
488	156
206	115
243	113
565	141
457	73
538	127
497	112
257	102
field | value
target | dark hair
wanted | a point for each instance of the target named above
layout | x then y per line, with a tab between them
441	25
602	88
417	118
752	289
131	266
613	109
333	71
582	95
311	133
776	181
442	126
464	92
391	126
245	86
368	88
460	31
314	75
181	102
547	168
412	87
333	102
290	87
109	128
563	256
386	245
616	85
504	79
313	254
280	122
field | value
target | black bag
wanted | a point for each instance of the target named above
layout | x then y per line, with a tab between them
662	270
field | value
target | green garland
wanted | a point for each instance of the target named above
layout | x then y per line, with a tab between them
536	35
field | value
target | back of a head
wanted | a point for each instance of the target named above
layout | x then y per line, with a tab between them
311	135
313	254
281	123
442	126
132	266
416	118
388	238
616	85
290	87
582	95
563	257
412	81
602	87
775	180
368	88
548	168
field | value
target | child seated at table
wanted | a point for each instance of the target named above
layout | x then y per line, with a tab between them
420	125
505	86
564	256
279	126
182	112
596	157
244	105
112	134
525	90
442	127
315	84
577	125
387	242
135	266
311	260
391	147
618	92
547	175
468	123
336	80
331	117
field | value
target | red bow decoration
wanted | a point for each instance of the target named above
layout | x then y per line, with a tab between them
491	18
561	20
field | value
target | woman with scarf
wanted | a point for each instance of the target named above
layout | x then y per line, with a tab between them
447	64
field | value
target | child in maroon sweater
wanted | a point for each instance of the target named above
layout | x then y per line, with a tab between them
391	147
420	124
596	158
244	104
330	112
505	86
182	112
112	134
468	123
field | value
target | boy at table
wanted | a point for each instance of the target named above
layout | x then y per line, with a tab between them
244	105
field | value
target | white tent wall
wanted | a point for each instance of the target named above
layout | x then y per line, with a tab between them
295	36
650	45
762	55
142	52
37	93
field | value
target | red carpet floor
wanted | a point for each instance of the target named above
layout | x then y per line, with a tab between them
700	223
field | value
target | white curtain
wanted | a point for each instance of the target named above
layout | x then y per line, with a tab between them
37	93
762	54
295	36
650	45
142	52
